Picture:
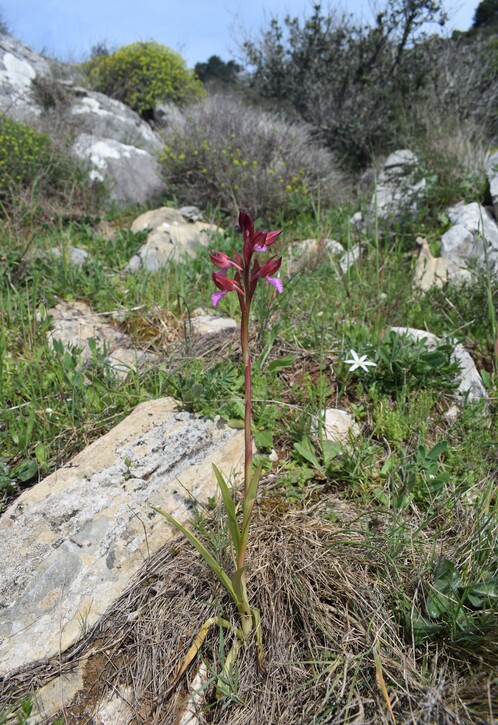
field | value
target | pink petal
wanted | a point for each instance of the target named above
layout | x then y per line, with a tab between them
216	297
276	282
257	248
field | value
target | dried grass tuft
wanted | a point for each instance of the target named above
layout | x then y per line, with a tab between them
326	598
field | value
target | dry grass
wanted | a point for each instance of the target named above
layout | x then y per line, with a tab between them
327	597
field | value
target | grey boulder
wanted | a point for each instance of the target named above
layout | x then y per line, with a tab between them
130	174
19	67
400	189
472	240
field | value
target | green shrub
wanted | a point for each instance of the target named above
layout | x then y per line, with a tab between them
32	167
220	152
141	74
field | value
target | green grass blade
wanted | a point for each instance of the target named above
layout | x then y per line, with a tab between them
206	555
230	508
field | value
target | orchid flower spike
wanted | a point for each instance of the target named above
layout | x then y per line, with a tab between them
247	272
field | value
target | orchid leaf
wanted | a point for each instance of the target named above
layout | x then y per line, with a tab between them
229	506
251	496
206	555
238	584
248	505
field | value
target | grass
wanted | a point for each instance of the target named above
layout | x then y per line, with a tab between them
409	508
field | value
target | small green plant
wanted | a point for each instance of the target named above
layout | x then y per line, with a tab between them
20	711
247	273
407	364
142	75
422	475
457	609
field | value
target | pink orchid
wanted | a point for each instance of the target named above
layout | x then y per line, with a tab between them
246	276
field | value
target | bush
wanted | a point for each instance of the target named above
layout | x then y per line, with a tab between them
221	152
142	74
30	163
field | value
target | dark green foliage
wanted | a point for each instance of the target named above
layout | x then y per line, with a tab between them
216	72
486	15
351	82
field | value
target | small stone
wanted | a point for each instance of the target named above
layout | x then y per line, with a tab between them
75	255
351	257
451	415
338	424
211	324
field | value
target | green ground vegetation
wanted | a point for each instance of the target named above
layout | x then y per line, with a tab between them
430	480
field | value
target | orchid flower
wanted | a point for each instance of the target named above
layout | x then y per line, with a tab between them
246	274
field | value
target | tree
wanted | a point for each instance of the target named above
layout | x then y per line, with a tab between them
486	15
353	83
218	72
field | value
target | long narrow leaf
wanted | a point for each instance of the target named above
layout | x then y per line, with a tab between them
251	497
230	508
206	555
248	506
238	584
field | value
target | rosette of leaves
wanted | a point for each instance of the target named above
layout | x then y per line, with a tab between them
142	74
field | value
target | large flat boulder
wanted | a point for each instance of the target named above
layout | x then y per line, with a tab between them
173	234
70	545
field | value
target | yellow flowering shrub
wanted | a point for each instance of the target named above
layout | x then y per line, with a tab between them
23	154
141	74
29	160
223	153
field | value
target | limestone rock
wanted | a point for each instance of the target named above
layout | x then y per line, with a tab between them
470	386
131	175
308	252
492	172
19	67
472	238
430	271
171	237
338	424
98	115
351	257
115	708
70	545
74	324
400	188
211	324
74	255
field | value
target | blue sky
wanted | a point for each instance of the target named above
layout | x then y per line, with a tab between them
197	29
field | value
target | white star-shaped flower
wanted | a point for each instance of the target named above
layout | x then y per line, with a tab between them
359	362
